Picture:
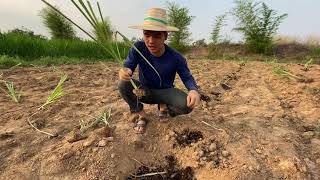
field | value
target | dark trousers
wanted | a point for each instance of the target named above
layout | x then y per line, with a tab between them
175	99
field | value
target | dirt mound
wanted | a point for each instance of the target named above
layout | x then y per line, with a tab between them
251	124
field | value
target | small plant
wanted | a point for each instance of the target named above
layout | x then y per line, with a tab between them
15	96
279	70
56	93
104	117
307	64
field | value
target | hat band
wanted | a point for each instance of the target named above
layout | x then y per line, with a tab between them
157	20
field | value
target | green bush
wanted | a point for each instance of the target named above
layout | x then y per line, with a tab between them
258	23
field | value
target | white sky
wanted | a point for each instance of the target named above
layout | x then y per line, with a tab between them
301	22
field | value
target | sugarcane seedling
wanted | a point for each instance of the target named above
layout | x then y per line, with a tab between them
15	96
307	64
57	93
80	133
279	70
84	127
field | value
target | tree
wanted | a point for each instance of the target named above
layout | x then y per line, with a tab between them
258	23
179	17
59	27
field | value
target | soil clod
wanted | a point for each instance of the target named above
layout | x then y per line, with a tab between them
75	135
170	170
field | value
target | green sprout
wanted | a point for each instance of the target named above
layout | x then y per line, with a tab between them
307	64
104	117
56	93
11	91
279	70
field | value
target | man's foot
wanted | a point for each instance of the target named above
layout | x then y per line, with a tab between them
163	113
140	125
135	116
163	116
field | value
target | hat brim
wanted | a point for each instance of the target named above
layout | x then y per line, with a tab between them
155	28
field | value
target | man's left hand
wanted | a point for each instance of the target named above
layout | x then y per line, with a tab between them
193	99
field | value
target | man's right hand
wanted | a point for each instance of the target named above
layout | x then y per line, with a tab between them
125	74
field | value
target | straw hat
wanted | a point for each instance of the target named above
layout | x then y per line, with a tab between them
155	20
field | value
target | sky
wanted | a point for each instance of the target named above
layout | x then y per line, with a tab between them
302	20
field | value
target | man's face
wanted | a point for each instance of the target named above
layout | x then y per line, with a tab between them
154	41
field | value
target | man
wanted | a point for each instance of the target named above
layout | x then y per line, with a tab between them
156	77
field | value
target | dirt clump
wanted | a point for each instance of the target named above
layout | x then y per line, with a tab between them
169	171
212	152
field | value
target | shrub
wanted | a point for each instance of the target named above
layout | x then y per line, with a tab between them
258	23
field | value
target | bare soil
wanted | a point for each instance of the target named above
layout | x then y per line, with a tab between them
251	124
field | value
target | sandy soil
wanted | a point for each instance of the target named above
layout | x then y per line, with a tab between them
251	124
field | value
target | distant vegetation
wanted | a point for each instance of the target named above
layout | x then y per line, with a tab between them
25	45
179	17
258	23
59	27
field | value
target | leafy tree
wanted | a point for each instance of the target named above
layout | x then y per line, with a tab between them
60	28
179	17
216	32
25	32
258	23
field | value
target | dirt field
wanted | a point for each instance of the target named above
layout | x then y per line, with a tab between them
251	124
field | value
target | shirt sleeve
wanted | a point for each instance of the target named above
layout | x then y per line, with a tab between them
131	61
186	75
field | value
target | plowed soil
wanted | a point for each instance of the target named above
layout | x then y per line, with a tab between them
251	124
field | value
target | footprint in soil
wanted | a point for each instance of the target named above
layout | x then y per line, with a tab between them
170	170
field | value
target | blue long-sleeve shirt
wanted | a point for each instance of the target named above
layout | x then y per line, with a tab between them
167	65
